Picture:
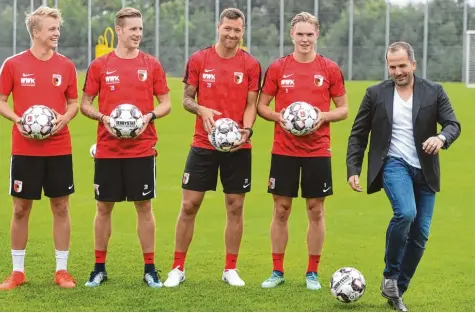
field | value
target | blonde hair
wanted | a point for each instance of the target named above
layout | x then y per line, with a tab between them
33	19
305	17
126	13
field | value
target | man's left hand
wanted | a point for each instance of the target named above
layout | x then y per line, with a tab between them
321	119
59	122
245	137
433	145
145	120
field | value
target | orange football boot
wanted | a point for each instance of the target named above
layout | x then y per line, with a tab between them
64	279
15	279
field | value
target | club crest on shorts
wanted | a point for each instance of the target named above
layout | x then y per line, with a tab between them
17	186
142	75
318	80
186	177
272	183
238	76
96	189
57	79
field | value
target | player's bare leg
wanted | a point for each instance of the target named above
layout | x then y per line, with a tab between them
315	240
233	234
102	233
191	202
279	239
61	236
146	233
19	238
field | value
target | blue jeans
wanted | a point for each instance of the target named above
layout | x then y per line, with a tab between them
413	202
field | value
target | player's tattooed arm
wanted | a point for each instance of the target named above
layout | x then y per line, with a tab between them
189	103
88	109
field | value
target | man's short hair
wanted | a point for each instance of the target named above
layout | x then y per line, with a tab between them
305	17
402	45
126	13
232	14
32	20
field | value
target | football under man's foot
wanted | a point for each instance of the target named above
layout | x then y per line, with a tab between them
64	279
96	278
15	279
175	278
312	281
232	278
276	279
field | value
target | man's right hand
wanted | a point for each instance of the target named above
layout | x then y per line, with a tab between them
282	122
207	118
18	123
106	120
354	183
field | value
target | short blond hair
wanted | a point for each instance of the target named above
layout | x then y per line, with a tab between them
33	19
232	14
305	17
126	13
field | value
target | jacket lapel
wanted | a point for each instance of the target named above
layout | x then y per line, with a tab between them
418	96
388	100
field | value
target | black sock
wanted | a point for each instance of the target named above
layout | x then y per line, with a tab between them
100	267
149	268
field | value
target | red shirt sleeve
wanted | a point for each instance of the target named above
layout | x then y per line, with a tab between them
254	77
6	78
270	84
192	71
72	90
160	82
337	85
92	83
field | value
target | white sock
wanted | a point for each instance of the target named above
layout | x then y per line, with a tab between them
18	260
61	260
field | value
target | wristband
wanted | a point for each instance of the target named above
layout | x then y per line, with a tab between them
101	119
153	115
250	130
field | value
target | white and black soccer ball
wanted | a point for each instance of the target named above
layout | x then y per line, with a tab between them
225	134
92	150
126	120
37	121
347	284
300	118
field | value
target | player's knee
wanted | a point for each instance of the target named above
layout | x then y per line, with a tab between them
190	207
104	209
21	211
316	212
60	209
234	207
281	212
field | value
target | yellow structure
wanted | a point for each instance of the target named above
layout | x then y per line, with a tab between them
104	46
241	45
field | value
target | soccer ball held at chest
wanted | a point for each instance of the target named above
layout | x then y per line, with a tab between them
300	117
37	122
126	120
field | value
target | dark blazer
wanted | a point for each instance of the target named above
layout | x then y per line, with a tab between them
431	106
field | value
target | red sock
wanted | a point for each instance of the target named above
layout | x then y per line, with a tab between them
313	265
100	256
149	258
231	261
179	260
278	262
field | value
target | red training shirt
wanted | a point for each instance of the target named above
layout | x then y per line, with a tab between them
119	81
222	85
32	81
316	83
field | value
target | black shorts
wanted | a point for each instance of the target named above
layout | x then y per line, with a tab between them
129	179
315	174
201	170
30	174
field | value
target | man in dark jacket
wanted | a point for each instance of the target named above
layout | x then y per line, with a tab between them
402	114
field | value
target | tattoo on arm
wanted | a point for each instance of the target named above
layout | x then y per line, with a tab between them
189	103
88	109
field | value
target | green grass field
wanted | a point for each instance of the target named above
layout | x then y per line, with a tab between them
356	225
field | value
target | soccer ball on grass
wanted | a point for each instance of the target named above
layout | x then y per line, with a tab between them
347	284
